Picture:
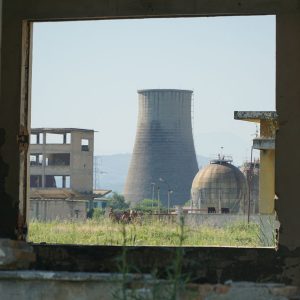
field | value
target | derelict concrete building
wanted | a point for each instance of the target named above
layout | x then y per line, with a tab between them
164	159
62	158
61	173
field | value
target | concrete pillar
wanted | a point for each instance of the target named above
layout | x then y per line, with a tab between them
10	126
44	161
267	170
63	181
268	128
267	182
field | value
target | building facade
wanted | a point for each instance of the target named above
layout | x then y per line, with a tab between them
62	158
61	173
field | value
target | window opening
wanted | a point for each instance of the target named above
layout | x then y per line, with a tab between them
55	138
84	145
33	139
35	181
36	138
36	159
207	80
52	181
67	182
57	181
58	159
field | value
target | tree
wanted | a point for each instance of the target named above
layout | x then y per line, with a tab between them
148	205
97	214
188	203
117	201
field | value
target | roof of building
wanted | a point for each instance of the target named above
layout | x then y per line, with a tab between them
163	90
53	193
60	130
101	193
57	194
255	116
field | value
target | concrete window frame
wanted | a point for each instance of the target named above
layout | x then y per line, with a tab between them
217	264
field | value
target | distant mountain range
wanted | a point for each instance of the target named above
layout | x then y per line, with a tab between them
110	171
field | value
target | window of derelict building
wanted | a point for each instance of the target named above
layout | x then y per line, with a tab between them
49	150
232	69
40	138
84	145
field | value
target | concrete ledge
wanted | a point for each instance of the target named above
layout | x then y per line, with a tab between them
48	285
15	254
255	116
264	143
15	285
71	276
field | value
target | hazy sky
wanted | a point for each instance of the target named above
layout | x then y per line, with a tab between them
86	75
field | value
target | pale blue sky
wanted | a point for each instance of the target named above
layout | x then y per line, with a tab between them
86	74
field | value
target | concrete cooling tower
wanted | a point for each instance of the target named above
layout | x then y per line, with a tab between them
164	156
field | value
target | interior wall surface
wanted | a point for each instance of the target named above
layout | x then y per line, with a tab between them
287	160
15	102
9	126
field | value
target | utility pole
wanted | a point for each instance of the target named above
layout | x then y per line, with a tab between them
250	183
169	200
153	187
169	192
158	200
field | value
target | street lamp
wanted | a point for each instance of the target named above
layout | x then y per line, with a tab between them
169	199
153	188
158	200
169	192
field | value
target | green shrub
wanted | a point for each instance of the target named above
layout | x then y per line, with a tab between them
148	206
117	201
98	214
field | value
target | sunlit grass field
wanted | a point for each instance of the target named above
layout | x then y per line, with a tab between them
152	232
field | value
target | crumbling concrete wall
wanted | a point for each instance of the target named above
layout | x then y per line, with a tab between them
57	209
93	286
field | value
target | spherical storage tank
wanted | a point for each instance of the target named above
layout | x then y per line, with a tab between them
220	185
163	157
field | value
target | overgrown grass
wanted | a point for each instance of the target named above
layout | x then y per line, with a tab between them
154	233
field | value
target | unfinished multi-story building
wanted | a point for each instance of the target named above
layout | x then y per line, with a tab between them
61	172
62	158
